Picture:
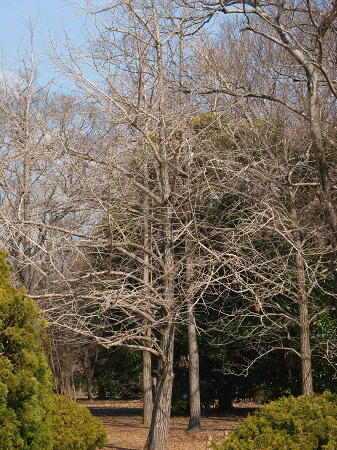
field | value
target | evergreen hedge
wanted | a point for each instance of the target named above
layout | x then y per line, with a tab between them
308	422
74	427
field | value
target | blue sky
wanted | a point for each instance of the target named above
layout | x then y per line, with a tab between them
51	19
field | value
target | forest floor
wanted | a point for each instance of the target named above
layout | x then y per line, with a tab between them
123	422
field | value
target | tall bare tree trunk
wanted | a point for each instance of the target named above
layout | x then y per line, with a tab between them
147	362
147	388
319	149
326	194
305	350
158	435
193	353
307	383
194	384
89	367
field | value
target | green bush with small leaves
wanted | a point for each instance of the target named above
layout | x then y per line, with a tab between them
307	422
31	416
74	427
25	377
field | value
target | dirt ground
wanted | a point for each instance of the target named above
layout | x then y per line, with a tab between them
123	422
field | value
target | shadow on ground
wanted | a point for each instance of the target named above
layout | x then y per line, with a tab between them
114	412
123	422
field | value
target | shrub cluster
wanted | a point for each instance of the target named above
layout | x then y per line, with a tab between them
307	422
74	427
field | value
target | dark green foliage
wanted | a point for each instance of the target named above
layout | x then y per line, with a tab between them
307	422
74	427
117	373
25	380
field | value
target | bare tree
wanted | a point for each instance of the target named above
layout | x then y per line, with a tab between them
295	49
37	192
128	69
278	287
288	64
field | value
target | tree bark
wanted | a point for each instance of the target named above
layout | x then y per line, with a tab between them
158	435
89	385
319	150
305	346
326	189
307	383
147	362
89	368
147	388
194	384
193	353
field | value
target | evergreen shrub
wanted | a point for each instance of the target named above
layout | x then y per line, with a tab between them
25	378
307	422
31	417
74	427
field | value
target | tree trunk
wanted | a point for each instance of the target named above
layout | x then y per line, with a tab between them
194	386
305	350
319	150
193	352
89	375
326	188
147	366
158	435
89	386
307	383
147	388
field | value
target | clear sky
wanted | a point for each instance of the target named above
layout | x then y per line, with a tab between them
51	19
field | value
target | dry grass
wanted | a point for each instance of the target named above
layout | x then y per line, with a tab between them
123	421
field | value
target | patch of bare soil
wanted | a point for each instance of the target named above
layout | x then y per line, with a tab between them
123	422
